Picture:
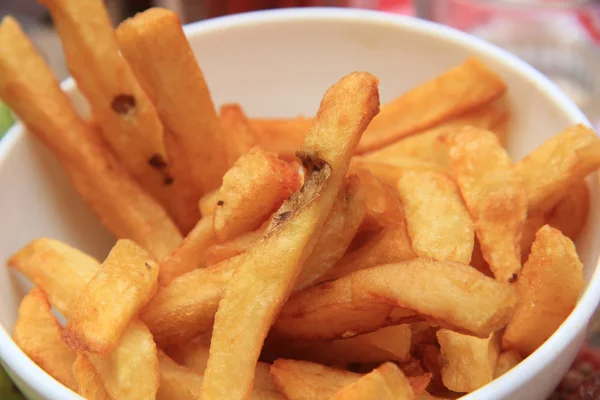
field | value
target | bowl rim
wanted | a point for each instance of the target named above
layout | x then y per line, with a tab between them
46	386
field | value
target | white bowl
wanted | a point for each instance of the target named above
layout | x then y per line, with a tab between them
279	63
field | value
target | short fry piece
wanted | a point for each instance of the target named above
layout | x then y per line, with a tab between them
154	44
89	383
468	362
124	285
385	382
438	223
551	282
31	91
494	195
507	361
239	134
176	381
38	334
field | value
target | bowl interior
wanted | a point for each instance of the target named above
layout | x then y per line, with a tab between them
280	64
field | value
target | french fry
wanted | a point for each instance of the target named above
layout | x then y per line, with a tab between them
281	136
268	272
252	189
392	169
31	91
60	270
190	254
437	220
208	202
494	195
385	382
552	280
430	356
222	251
176	382
570	214
507	361
127	119
468	362
154	44
456	296
89	383
533	223
391	245
546	180
452	93
38	334
239	134
99	317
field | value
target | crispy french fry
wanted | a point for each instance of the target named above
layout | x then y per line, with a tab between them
385	382
546	180
390	245
267	275
60	270
437	220
533	223
456	296
190	254
239	134
208	202
99	317
391	169
494	195
127	119
31	91
507	361
452	93
222	251
154	44
571	212
38	334
468	362
281	136
252	189
551	282
89	383
176	381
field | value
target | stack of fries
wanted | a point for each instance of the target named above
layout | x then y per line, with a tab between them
360	254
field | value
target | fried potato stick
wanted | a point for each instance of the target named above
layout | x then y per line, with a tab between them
240	136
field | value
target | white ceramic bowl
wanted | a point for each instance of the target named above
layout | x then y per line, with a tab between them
279	63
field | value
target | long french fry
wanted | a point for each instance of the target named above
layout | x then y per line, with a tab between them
127	118
154	44
267	274
29	88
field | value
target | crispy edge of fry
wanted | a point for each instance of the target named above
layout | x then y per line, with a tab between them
177	382
89	383
219	252
240	136
385	382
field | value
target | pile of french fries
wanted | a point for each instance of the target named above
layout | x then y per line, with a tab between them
361	254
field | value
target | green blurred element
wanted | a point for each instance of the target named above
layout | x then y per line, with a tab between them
6	119
8	391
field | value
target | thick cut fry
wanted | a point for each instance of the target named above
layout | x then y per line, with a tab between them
222	251
28	87
268	273
124	285
190	254
571	212
60	270
125	115
562	161
281	136
507	361
252	189
38	334
384	382
239	134
551	283
89	383
131	371
176	382
494	195
454	92
468	362
391	169
456	296
390	245
154	44
208	202
438	223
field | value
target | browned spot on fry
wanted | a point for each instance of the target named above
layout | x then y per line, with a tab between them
157	161
168	180
220	202
123	104
513	278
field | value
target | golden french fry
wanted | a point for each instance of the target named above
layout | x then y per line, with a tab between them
494	195
546	180
38	334
571	212
281	136
154	44
533	223
452	93
468	362
99	317
222	251
507	361
208	202
31	91
391	169
385	382
456	296
252	189
390	245
176	382
437	220
190	254
127	119
89	383
549	288
240	137
60	270
267	275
